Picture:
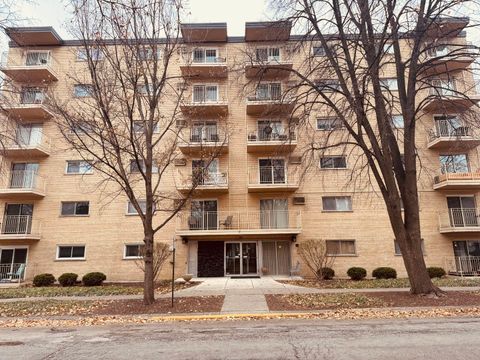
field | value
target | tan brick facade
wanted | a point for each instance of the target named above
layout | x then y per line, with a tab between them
107	228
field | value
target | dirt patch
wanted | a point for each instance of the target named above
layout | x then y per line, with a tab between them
109	307
367	300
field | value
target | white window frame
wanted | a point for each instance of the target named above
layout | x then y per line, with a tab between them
329	85
156	129
83	57
394	124
333	168
125	257
217	86
399	253
317	55
58	258
87	93
337	196
340	247
90	172
388	48
49	56
270	58
333	119
154	167
204	50
387	82
74	202
134	213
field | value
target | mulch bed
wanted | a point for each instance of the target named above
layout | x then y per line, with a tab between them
367	300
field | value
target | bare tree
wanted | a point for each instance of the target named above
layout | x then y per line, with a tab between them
161	253
124	119
315	256
367	61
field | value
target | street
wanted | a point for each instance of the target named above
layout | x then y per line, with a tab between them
269	339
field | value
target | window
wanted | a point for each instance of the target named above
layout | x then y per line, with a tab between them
318	51
457	163
267	54
328	124
37	58
79	167
201	56
389	84
269	91
74	252
75	208
148	54
398	252
133	251
134	168
388	49
82	90
139	127
337	203
328	85
341	247
205	93
145	89
95	54
333	162
397	122
450	125
79	128
131	209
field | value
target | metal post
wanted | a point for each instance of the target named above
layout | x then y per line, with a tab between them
173	269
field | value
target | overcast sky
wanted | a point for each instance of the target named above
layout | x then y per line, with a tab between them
234	12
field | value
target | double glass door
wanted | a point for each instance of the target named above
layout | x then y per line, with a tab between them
272	171
462	211
11	261
240	258
23	175
17	219
203	215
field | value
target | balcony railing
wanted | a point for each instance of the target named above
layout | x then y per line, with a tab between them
43	144
31	67
458	218
33	96
273	175
457	176
13	272
463	265
443	88
17	224
204	135
204	181
26	180
271	220
263	135
445	129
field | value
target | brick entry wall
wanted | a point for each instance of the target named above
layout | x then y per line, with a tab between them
210	258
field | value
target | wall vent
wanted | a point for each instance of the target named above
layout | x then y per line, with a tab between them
299	200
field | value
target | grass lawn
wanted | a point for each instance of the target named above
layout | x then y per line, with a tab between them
104	290
382	283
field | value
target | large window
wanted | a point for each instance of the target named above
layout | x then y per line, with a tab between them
341	247
140	126
333	162
398	252
95	54
337	203
330	85
75	208
389	84
82	90
318	51
205	93
457	163
203	55
398	122
268	54
133	251
136	166
269	91
79	167
131	209
328	124
71	252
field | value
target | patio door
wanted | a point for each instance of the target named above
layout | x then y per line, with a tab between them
23	175
29	134
11	261
272	171
205	93
205	174
276	257
203	215
457	163
17	219
204	131
270	130
241	258
274	213
462	211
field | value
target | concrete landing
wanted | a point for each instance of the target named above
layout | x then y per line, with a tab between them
244	303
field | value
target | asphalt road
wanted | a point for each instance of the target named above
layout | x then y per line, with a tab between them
267	339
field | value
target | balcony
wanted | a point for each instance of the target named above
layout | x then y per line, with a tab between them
463	265
261	141
204	183
28	150
20	227
205	100
459	221
445	136
446	59
30	107
269	100
273	179
228	223
457	181
205	63
33	67
268	62
203	140
23	184
445	96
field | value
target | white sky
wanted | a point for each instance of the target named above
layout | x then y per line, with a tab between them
234	12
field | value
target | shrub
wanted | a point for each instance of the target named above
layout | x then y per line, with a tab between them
436	272
357	273
326	273
67	279
384	273
43	280
93	279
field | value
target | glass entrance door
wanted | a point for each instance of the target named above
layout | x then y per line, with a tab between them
240	258
11	263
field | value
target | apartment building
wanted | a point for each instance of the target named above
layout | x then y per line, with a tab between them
255	204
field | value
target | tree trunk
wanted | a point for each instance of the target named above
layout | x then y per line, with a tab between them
149	280
412	253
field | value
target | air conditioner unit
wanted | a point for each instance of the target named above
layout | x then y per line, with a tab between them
180	162
295	160
299	200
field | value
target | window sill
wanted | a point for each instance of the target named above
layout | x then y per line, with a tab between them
342	255
73	174
71	259
320	168
74	216
337	211
132	258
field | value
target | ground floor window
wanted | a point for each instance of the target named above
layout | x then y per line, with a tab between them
133	251
467	257
71	252
12	263
466	248
341	247
398	252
